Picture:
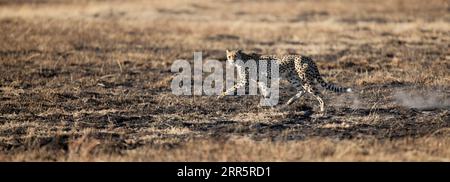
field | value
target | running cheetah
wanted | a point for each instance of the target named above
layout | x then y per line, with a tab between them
300	71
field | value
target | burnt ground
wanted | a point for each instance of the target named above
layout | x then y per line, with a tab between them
81	81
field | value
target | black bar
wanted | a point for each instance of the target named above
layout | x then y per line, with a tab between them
170	170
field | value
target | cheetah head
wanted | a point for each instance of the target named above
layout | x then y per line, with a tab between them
234	55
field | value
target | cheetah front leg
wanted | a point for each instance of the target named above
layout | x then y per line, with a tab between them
266	94
242	82
263	89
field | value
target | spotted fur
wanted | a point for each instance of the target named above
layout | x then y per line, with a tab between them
300	71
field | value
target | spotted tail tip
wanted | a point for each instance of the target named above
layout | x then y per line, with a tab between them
349	90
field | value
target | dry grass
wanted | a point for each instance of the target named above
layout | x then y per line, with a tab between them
246	149
89	81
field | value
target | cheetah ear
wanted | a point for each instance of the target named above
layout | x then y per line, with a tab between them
228	51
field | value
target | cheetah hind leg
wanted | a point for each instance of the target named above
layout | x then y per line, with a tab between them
312	90
291	100
294	98
296	82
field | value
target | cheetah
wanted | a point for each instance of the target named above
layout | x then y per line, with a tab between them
300	71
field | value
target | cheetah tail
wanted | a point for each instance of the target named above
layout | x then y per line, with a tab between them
332	87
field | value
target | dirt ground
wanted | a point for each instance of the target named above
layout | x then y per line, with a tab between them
90	81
